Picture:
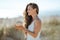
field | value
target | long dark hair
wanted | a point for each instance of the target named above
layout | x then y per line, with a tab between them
28	18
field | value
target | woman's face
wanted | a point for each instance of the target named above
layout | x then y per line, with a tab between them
30	10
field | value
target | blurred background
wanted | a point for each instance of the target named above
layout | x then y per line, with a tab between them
11	13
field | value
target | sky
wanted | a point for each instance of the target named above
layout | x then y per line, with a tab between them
15	8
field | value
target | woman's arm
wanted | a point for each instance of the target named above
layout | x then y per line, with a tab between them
36	29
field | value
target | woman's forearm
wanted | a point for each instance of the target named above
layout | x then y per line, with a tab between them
31	33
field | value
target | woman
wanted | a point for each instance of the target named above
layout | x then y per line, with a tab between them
32	22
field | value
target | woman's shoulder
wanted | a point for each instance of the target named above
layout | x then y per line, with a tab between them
38	20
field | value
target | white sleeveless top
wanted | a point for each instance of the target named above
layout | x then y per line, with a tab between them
31	28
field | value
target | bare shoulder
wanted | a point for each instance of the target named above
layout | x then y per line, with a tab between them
37	25
38	21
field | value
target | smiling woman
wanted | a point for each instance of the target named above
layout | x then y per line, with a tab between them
14	8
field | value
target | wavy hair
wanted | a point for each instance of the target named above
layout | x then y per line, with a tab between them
28	18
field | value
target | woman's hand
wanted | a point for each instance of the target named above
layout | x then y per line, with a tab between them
19	27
